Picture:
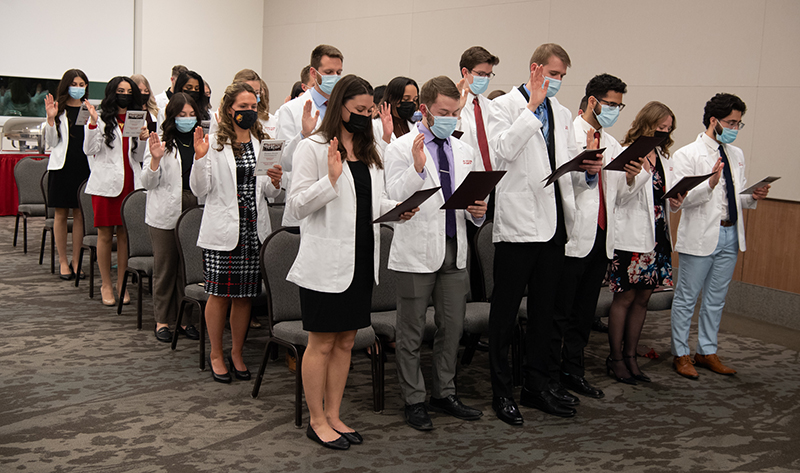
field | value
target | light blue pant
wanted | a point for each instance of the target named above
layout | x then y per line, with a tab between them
712	274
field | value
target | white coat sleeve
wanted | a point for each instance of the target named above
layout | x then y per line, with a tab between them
310	191
93	139
150	178
509	134
402	180
686	165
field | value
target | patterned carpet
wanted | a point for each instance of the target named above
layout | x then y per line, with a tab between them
83	390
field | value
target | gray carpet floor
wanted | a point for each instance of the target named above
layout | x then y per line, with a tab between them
83	390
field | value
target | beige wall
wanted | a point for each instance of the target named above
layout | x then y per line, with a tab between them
680	52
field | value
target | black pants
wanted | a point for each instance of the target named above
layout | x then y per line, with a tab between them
576	304
517	266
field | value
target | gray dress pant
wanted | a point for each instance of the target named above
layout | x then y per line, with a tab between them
448	286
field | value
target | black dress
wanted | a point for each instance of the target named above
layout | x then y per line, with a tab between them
349	310
62	186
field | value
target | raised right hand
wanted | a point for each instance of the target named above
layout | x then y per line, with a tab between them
200	143
538	87
157	147
51	107
334	161
717	170
309	121
418	152
92	113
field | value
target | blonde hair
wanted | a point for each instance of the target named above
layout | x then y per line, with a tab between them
547	50
248	75
226	135
151	102
647	121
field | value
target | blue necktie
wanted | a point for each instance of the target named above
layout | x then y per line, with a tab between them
447	187
541	114
733	212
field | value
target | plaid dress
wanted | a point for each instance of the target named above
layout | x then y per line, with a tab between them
236	273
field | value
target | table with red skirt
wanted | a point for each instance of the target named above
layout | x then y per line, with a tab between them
9	198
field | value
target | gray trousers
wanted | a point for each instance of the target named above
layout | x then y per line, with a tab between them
448	286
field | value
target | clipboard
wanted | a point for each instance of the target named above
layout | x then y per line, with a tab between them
638	149
476	186
411	203
760	184
573	164
686	184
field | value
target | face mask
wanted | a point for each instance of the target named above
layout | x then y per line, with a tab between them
358	123
443	126
607	117
417	116
553	86
124	100
405	110
327	82
185	124
661	134
245	119
194	95
479	85
258	98
727	136
77	92
145	98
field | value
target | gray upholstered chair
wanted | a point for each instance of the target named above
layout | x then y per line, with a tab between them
89	237
28	174
140	249
49	221
276	215
191	273
285	323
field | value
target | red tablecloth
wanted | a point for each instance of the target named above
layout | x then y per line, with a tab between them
9	200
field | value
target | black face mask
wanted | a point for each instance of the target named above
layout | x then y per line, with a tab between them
660	134
195	96
124	100
358	123
145	98
405	110
245	119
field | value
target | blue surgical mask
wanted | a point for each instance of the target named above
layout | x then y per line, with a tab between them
327	83
185	124
728	135
479	85
443	127
77	92
553	86
608	116
258	98
416	117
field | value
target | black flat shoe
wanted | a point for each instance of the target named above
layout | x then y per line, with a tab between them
339	444
243	375
189	332
611	373
220	378
545	402
163	334
353	437
506	410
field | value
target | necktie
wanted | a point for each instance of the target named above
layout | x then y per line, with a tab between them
447	186
483	145
601	213
733	213
541	114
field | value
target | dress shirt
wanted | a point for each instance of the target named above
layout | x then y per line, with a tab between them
713	150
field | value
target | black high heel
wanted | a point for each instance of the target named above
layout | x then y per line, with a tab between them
639	377
611	373
243	375
220	378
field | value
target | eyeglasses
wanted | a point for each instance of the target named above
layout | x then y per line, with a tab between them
733	124
490	75
613	105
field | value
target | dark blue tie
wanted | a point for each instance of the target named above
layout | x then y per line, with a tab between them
541	114
733	213
447	187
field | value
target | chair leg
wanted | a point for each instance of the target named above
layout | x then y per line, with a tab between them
52	252
298	388
80	266
201	308
470	344
274	353
178	323
16	230
260	373
122	291
139	303
25	234
377	375
44	240
92	261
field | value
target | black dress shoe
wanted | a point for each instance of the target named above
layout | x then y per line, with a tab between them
353	437
482	346
417	416
579	385
563	396
452	405
243	375
599	326
163	334
545	402
506	410
220	378
189	332
339	444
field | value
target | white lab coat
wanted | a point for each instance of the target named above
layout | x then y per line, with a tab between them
107	176
698	229
327	215
290	125
418	245
468	126
213	177
161	102
164	189
525	210
58	148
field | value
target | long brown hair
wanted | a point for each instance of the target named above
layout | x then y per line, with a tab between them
247	75
150	105
226	133
62	93
348	87
647	121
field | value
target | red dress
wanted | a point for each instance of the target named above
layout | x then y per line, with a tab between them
107	209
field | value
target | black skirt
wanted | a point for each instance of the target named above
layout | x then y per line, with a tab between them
348	310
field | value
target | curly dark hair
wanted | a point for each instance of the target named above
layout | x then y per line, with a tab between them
62	93
720	106
602	84
109	107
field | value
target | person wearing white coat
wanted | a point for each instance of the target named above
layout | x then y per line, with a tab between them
68	166
235	222
642	257
531	136
429	253
710	232
116	169
165	176
339	254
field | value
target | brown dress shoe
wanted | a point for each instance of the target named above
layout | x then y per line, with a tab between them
712	362
683	365
291	362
